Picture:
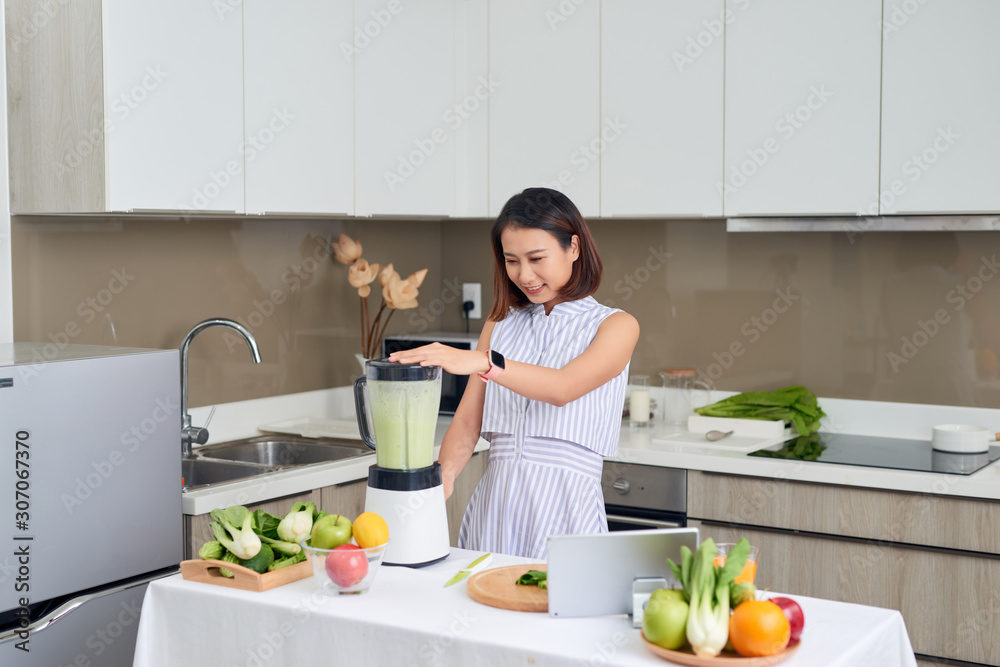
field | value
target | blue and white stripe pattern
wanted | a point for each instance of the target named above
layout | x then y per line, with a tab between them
544	472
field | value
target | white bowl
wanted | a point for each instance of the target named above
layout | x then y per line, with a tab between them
961	438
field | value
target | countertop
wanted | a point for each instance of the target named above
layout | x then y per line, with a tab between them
657	446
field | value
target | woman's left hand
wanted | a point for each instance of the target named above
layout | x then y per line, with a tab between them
453	360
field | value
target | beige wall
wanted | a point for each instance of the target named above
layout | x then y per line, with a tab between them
892	316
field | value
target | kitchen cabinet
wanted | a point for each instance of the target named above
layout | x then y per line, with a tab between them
462	492
108	113
298	106
940	140
802	107
930	557
662	84
545	125
404	63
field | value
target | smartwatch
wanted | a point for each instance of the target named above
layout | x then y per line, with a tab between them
496	366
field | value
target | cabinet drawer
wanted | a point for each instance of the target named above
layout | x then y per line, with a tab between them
884	516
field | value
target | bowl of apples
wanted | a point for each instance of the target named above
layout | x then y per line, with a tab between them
346	556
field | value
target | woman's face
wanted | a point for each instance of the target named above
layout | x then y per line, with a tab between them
537	264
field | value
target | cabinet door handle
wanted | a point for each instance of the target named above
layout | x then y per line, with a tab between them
652	523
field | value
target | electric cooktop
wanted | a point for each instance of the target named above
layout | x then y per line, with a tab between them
878	452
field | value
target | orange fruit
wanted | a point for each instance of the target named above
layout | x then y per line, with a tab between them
370	530
759	628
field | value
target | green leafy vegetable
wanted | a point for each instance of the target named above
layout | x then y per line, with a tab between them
261	561
534	578
796	405
233	527
286	561
708	589
804	448
210	550
298	523
229	558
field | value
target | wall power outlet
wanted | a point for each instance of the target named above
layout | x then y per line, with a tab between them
473	292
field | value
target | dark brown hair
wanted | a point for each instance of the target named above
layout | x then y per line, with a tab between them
553	212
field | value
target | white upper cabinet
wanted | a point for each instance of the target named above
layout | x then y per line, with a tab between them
802	107
545	123
404	93
299	106
661	89
468	119
940	107
174	105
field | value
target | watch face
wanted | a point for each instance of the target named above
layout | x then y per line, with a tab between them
496	359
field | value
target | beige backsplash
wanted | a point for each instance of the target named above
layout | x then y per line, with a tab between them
750	310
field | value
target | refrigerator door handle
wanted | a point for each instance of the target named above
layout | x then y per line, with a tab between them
16	631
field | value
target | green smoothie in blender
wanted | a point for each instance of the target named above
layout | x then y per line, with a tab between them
404	418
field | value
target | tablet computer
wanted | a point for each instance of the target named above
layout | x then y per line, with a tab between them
591	575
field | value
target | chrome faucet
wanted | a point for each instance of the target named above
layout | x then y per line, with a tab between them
193	434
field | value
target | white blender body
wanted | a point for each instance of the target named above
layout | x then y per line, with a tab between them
404	485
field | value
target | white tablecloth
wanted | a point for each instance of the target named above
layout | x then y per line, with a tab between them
409	619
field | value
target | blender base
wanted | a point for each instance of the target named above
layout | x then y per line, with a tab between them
418	524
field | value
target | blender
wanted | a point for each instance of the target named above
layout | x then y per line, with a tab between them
397	408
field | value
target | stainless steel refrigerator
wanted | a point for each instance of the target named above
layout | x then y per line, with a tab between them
90	497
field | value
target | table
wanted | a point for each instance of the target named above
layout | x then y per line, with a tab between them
409	619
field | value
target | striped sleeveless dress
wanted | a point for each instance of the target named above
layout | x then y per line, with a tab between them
543	476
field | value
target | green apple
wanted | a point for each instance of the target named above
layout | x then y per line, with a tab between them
668	594
664	622
330	531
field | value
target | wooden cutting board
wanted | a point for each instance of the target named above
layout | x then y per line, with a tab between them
496	588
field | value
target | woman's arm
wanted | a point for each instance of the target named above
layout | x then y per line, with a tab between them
463	433
604	358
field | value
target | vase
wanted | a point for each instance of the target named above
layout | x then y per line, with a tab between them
361	360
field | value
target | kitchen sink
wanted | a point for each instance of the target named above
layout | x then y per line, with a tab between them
285	451
198	472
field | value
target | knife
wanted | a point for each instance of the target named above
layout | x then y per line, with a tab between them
475	565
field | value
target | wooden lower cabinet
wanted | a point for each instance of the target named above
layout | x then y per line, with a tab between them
462	492
949	597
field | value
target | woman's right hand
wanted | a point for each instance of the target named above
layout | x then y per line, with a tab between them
451	359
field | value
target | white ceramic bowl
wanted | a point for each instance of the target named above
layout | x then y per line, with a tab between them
961	438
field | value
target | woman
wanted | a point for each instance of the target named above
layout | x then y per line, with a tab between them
554	364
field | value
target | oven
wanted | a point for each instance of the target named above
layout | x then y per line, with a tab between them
641	496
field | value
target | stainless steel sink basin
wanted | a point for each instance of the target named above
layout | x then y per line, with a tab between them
199	472
284	451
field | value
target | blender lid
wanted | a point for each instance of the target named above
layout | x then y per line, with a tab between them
395	372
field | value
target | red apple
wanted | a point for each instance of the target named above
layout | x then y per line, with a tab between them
793	612
346	565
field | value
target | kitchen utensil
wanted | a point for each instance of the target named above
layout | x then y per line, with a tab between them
679	387
715	436
961	438
207	571
475	566
687	657
397	410
497	588
342	562
638	401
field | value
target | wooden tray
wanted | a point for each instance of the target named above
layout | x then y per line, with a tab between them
207	572
686	657
496	588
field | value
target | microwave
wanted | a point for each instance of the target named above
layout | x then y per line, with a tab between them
452	386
